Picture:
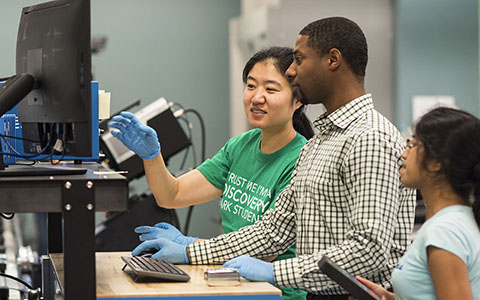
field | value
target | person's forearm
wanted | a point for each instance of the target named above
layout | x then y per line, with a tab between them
162	184
189	189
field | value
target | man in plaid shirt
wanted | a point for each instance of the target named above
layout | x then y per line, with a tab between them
345	199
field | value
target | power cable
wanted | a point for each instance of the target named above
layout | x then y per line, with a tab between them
203	157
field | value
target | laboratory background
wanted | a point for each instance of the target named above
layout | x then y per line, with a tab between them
191	52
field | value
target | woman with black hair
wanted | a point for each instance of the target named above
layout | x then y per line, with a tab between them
443	162
251	169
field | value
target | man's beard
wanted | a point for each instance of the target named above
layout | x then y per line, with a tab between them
300	95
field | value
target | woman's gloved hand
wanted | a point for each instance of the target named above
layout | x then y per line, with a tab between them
165	231
139	138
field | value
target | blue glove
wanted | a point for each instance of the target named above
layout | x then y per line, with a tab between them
137	137
166	231
166	250
251	268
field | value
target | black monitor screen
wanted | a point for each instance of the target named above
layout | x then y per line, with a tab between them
53	45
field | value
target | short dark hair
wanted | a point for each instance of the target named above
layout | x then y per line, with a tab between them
282	58
452	138
343	34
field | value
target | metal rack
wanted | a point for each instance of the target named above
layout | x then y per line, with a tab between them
71	202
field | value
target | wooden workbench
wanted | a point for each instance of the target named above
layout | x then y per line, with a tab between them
112	282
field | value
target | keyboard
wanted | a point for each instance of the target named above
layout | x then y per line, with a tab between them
149	267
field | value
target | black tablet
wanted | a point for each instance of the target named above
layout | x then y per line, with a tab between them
348	282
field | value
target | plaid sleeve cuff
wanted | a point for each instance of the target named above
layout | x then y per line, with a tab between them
286	273
200	253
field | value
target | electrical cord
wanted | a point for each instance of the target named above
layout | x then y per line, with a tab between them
32	162
28	157
202	127
189	128
10	146
203	157
185	119
19	138
32	293
17	279
184	160
61	158
194	155
192	145
63	147
177	104
4	137
7	216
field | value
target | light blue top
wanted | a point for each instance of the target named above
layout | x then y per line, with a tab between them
453	229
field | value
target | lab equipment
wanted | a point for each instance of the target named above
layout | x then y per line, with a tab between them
222	276
252	268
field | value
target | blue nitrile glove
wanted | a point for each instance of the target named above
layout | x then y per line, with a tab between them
251	268
137	137
166	231
166	250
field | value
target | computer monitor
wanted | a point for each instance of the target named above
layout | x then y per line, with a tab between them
53	45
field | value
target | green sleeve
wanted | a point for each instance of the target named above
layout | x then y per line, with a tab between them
216	168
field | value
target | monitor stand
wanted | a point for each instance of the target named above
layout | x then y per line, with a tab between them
36	170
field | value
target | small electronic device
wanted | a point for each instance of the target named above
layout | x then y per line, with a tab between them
144	266
222	276
345	280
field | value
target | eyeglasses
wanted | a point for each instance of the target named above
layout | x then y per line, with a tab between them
412	143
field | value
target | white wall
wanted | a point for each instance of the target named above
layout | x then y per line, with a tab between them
269	23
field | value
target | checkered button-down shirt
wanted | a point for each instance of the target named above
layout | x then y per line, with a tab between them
345	201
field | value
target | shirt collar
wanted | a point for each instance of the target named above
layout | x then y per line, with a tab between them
346	114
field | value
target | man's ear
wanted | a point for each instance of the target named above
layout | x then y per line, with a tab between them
334	59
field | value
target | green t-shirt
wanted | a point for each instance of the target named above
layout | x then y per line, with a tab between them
251	181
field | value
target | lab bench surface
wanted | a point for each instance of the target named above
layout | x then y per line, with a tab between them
113	283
